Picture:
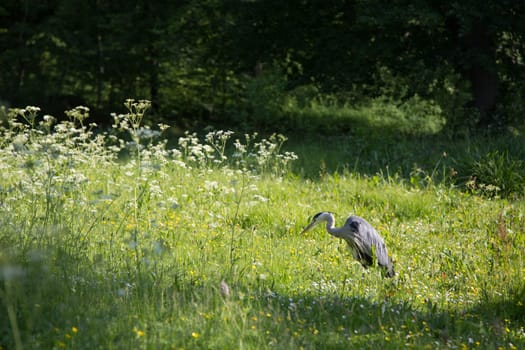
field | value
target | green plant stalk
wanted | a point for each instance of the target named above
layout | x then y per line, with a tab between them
11	313
238	202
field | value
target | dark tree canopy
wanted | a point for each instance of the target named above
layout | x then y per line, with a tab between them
199	59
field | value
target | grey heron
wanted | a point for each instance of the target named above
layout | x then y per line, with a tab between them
365	243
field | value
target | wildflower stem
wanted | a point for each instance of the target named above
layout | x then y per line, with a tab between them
238	202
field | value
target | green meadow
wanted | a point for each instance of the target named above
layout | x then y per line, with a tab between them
111	239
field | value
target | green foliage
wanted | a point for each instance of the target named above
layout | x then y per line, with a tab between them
495	173
459	61
326	114
264	101
198	246
419	162
415	116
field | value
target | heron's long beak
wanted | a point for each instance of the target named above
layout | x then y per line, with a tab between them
310	226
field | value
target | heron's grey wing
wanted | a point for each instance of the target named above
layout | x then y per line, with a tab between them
383	259
358	239
356	224
382	254
370	238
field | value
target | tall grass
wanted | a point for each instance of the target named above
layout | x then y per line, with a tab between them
326	114
198	246
487	166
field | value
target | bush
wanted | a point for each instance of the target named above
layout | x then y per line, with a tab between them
264	100
495	173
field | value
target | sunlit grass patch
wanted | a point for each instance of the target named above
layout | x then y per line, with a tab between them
199	247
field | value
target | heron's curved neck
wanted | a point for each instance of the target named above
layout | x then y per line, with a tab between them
330	227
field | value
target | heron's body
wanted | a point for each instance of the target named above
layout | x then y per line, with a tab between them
363	240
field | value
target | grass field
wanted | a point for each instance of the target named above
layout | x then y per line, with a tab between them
198	246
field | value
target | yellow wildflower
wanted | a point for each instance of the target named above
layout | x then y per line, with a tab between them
138	332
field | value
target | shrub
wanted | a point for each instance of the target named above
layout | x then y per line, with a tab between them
264	100
495	173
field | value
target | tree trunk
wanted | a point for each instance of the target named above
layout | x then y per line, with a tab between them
481	71
154	80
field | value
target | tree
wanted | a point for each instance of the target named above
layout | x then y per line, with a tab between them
197	57
24	50
347	43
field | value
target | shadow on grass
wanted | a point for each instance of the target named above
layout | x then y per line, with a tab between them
372	153
339	322
53	295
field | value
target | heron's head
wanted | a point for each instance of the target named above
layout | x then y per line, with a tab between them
316	219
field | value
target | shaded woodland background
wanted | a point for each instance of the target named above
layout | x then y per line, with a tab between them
269	64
